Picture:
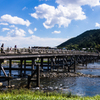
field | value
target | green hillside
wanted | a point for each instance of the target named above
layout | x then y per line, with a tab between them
88	39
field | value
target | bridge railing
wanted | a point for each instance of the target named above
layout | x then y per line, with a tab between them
45	51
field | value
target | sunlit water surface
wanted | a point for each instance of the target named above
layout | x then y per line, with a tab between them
82	86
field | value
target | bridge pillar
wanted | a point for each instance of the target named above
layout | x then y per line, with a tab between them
1	61
48	63
74	64
33	64
10	65
69	63
0	68
63	62
86	60
82	60
38	76
24	67
42	63
21	62
51	62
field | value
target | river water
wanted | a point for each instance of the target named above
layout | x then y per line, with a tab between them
82	86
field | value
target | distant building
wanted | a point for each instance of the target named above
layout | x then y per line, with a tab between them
38	47
83	48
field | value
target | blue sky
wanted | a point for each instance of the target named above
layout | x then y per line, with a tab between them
46	22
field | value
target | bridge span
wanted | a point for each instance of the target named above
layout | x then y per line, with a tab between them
67	60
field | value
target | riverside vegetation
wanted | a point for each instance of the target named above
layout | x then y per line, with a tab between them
25	94
29	61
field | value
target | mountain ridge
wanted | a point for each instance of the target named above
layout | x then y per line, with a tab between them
88	39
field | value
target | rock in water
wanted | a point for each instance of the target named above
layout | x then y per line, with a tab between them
1	84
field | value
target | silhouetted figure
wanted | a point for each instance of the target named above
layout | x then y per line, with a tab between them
2	48
29	49
10	48
15	48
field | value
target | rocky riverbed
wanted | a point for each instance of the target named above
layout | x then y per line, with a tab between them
63	74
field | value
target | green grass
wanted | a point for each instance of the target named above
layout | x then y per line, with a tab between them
28	61
25	94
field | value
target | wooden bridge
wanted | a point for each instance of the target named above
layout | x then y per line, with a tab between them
50	58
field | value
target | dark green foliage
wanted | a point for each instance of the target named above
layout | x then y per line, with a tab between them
88	39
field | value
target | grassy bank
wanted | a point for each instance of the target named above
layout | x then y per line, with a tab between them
25	94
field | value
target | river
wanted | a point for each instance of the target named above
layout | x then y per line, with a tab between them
82	86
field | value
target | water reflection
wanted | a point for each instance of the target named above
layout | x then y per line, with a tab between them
83	86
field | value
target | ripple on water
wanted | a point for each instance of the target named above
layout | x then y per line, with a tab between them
82	86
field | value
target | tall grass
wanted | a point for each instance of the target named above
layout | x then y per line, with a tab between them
25	94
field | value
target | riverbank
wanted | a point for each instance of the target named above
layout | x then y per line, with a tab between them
25	94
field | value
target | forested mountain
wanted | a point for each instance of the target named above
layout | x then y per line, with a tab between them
88	39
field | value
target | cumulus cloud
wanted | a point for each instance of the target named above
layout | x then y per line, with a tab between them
91	3
5	29
30	41
35	29
14	20
30	31
16	32
3	23
56	32
97	25
66	11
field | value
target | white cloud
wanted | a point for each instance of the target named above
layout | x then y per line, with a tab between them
30	31
56	32
61	15
14	20
35	29
91	3
5	29
24	8
66	11
97	25
16	32
12	26
30	41
3	23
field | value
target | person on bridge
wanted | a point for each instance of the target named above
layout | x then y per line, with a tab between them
2	48
29	49
15	48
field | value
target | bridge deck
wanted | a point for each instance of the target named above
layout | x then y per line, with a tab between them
22	55
66	59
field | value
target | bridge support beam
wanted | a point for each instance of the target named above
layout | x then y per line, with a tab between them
42	63
74	64
38	76
24	67
0	68
10	65
33	64
48	63
1	61
52	62
21	63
